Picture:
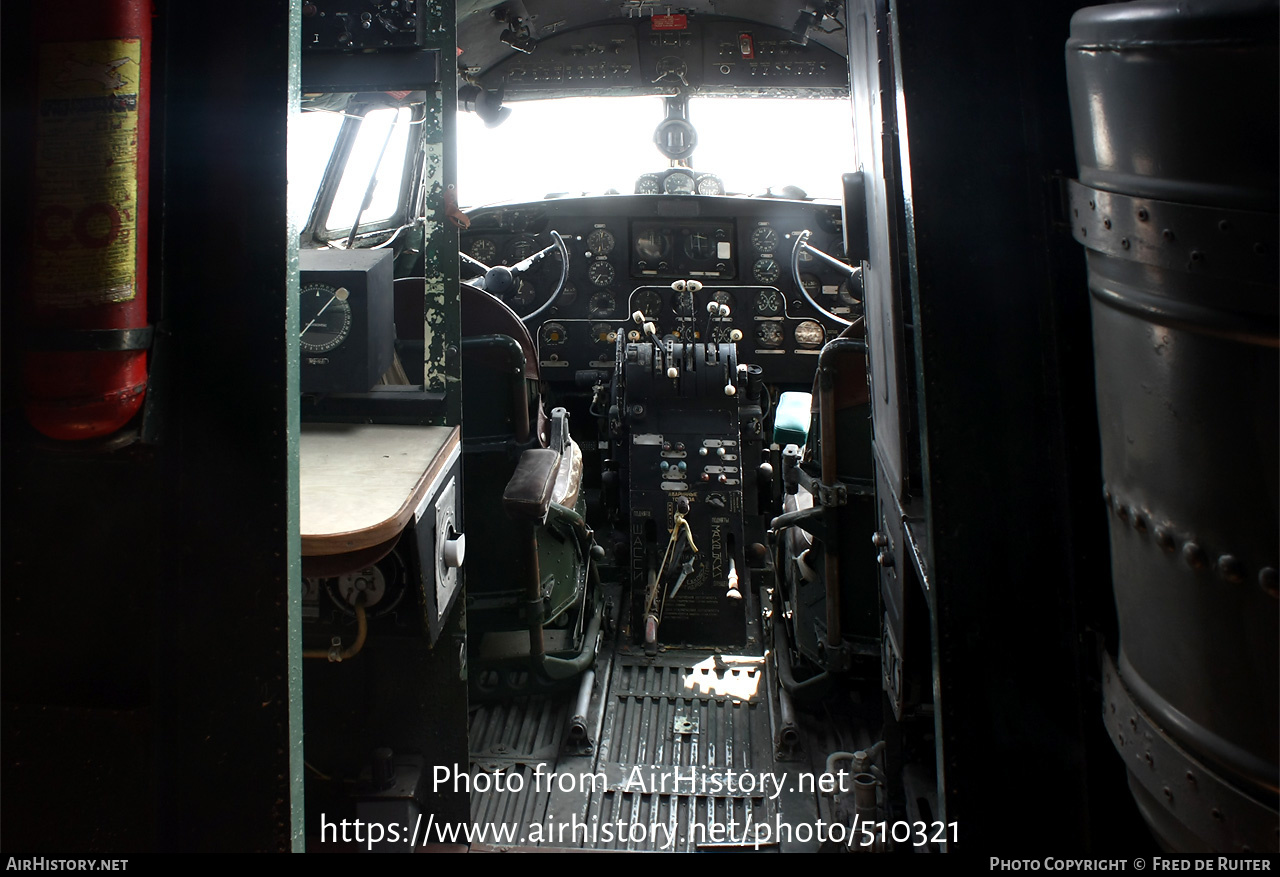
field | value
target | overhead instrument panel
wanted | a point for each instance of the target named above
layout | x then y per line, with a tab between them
635	58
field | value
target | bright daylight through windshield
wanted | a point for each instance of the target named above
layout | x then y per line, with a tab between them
594	144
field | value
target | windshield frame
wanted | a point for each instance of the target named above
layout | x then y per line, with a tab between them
409	196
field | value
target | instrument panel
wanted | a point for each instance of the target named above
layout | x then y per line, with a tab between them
628	252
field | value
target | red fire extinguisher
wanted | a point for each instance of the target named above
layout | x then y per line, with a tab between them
85	366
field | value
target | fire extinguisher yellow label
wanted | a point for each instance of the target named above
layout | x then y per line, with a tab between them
86	186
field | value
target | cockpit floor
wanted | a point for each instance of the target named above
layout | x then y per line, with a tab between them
680	754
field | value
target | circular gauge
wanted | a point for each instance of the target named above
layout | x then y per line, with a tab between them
523	294
764	239
553	334
709	184
699	245
766	271
568	295
602	304
484	250
769	335
768	303
678	183
809	334
811	284
600	242
520	248
653	244
648	184
720	333
604	333
682	304
381	586
600	273
647	301
368	582
325	317
722	297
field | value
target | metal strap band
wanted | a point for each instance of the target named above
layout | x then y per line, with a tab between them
91	339
1210	241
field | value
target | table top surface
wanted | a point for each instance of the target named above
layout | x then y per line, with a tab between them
359	483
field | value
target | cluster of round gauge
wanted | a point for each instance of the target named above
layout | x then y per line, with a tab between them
766	270
679	182
808	334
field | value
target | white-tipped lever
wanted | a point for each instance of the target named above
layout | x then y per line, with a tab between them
673	372
724	310
638	317
734	593
678	285
713	308
730	390
693	286
735	335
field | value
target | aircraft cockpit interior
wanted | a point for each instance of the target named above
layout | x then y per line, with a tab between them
776	426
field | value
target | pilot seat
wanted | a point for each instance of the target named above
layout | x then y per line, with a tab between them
534	608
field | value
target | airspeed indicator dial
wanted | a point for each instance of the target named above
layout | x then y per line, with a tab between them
600	273
766	271
764	239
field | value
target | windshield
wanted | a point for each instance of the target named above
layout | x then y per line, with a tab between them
590	145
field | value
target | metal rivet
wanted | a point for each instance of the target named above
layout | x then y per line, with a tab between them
1106	223
1084	232
1090	204
1231	569
1191	778
1168	793
1122	512
1075	212
1124	243
1167	234
1223	225
1151	761
1216	813
1106	494
1267	580
1133	723
1196	255
1164	539
1139	522
1194	555
1142	214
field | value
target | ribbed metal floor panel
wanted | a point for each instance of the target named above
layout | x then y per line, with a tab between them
525	728
670	732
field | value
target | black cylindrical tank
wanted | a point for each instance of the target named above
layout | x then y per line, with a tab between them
1176	111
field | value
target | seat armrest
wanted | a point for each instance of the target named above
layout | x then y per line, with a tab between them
528	493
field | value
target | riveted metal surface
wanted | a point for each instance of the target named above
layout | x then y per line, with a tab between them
1207	241
1177	206
1220	818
